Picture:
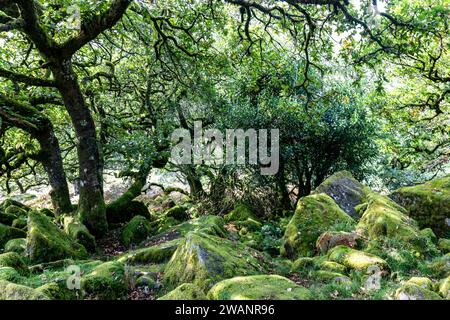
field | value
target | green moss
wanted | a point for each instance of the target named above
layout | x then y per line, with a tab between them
16	245
78	232
45	242
314	215
332	266
240	213
47	212
146	281
57	291
249	224
330	239
444	288
136	231
428	232
410	291
304	265
355	259
154	254
361	208
186	291
205	259
16	211
19	223
10	202
10	274
421	282
444	245
330	276
178	213
7	233
428	204
259	287
118	212
107	281
440	267
12	291
14	260
7	218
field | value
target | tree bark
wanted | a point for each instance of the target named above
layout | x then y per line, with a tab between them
91	205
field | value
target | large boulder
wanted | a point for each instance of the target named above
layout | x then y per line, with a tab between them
12	291
444	288
358	260
411	291
428	204
136	231
204	260
154	254
7	233
117	212
16	245
314	215
331	239
13	260
345	191
46	242
107	281
187	291
384	218
259	287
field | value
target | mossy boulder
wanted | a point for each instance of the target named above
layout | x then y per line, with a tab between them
20	223
57	291
10	274
136	231
241	212
332	266
10	202
331	239
444	245
259	287
12	291
304	264
16	211
328	276
46	242
179	213
210	224
423	282
16	245
411	291
14	260
186	291
440	266
107	281
357	260
154	254
428	204
313	216
118	213
444	288
345	191
78	232
7	233
204	260
386	219
428	232
146	281
249	224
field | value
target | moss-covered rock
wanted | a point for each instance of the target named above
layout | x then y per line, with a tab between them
259	287
249	225
313	216
428	204
16	211
304	264
440	266
385	219
241	212
345	191
357	260
78	232
10	202
332	266
116	214
57	291
46	242
331	239
136	231
12	291
421	282
186	291
7	233
146	280
444	288
178	213
154	254
204	259
107	281
16	245
444	245
10	274
428	232
410	291
47	212
213	225
19	223
14	260
328	276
